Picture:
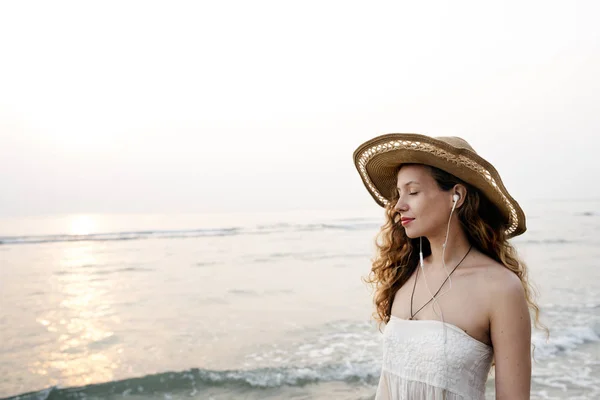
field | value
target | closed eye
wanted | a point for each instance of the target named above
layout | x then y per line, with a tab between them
410	194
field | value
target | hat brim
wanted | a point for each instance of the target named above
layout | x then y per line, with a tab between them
378	159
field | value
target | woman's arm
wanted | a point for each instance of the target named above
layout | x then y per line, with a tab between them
510	330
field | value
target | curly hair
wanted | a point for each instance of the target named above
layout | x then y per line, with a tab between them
396	258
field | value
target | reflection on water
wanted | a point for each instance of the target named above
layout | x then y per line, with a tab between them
85	351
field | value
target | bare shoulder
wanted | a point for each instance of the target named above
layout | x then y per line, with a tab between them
496	278
506	292
497	283
505	298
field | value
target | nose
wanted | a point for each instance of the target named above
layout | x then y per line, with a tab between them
401	206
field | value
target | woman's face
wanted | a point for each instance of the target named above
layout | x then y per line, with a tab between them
423	206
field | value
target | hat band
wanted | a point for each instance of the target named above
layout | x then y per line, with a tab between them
392	145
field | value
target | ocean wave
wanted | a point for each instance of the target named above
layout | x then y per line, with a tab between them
196	379
119	236
546	241
365	369
565	340
586	214
306	256
181	234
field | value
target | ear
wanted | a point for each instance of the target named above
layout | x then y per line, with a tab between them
461	190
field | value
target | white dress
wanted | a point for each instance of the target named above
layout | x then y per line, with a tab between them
432	360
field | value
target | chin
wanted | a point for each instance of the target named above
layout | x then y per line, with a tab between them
411	233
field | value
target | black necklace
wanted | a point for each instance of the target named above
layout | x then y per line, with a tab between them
412	316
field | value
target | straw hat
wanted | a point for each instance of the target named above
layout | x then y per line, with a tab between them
378	159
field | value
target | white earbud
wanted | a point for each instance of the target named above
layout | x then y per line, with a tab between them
455	197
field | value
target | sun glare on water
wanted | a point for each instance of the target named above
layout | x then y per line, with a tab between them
82	225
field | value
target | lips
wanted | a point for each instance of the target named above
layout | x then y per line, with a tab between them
406	221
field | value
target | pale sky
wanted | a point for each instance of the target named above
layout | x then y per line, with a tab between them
141	106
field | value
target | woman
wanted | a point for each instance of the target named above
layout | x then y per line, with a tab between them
449	286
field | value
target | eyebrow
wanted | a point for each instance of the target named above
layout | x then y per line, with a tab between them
410	183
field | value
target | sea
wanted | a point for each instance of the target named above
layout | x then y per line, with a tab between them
240	305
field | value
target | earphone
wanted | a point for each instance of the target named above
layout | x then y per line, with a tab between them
455	199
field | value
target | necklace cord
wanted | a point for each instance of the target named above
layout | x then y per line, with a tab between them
436	293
